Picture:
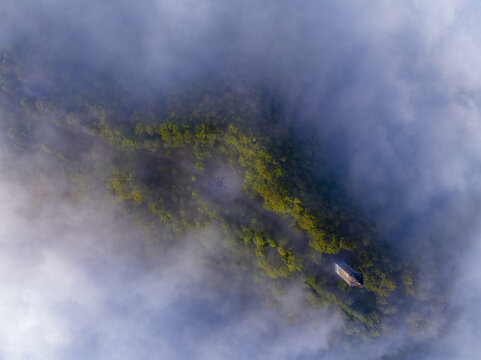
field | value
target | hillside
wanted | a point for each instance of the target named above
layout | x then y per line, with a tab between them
211	155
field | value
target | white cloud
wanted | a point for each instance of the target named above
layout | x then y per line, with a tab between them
75	282
393	89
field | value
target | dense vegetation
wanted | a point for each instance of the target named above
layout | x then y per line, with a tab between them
291	219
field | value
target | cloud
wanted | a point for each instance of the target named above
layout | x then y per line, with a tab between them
77	281
401	126
391	91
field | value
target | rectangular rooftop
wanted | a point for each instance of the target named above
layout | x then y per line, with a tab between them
349	275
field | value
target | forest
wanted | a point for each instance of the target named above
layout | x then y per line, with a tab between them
174	162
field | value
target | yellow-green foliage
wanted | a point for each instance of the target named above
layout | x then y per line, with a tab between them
268	176
8	76
162	215
378	281
262	177
122	184
407	280
173	135
330	298
105	131
39	105
273	259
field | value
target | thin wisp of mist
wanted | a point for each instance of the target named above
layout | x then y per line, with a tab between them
178	179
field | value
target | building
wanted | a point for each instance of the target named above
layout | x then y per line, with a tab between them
349	275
